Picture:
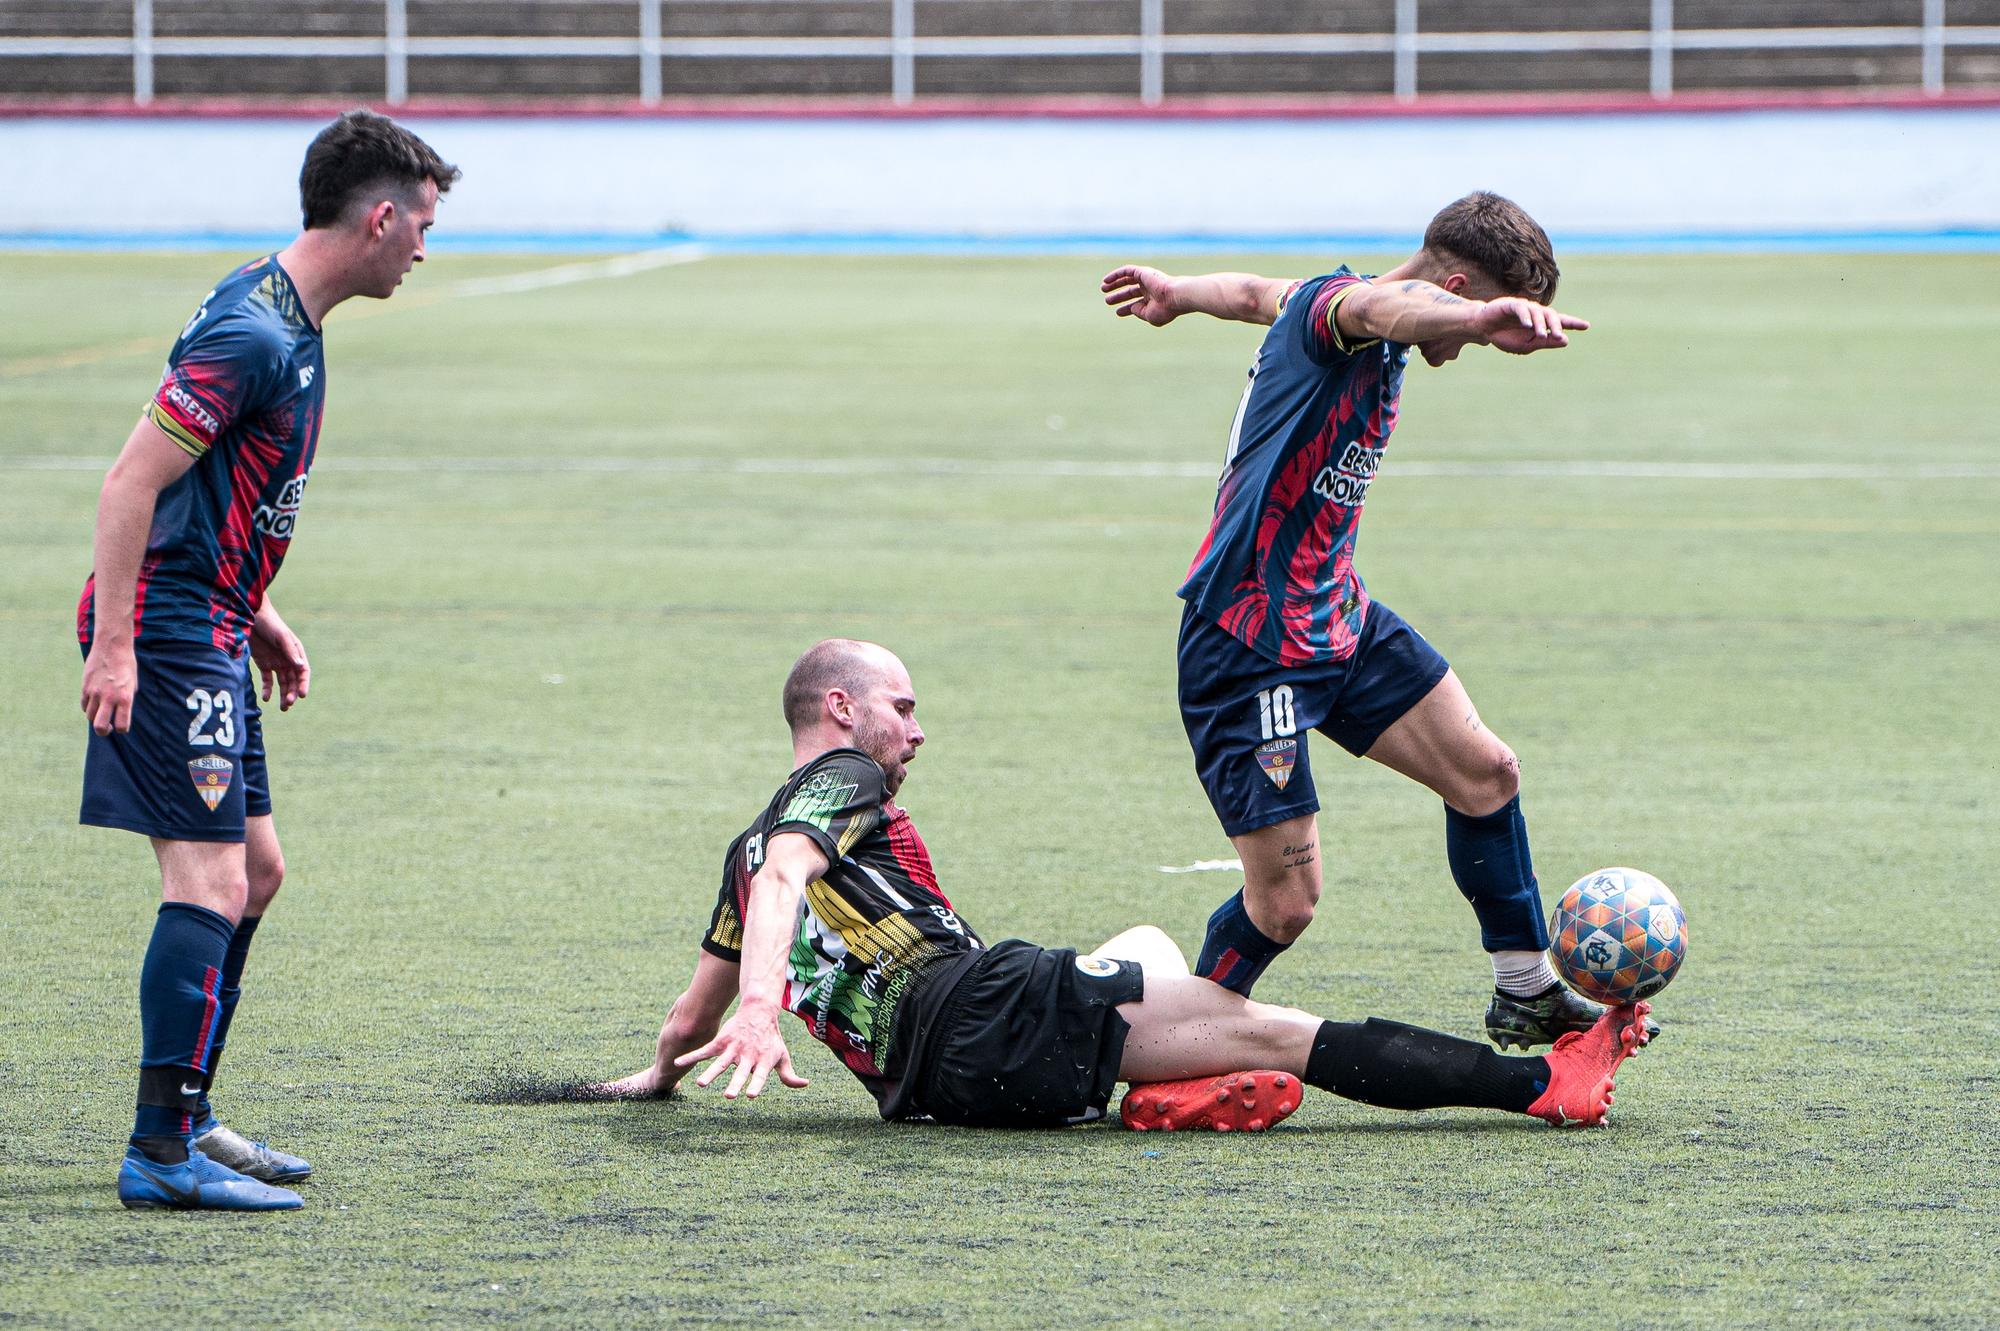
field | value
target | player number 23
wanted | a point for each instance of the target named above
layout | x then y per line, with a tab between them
1274	711
218	707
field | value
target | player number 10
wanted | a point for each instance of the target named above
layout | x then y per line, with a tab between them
1274	711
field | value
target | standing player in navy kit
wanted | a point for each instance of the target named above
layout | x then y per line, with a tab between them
194	518
1279	636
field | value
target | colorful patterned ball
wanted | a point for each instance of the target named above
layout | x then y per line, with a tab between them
1619	936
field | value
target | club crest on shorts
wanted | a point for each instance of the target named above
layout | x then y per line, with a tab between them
1101	967
211	776
1277	757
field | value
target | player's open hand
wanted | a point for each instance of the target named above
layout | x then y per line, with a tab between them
750	1043
110	681
1520	326
1142	293
281	660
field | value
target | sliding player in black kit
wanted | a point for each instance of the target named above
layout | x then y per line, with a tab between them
829	909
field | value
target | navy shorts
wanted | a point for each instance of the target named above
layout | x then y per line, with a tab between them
1247	716
191	768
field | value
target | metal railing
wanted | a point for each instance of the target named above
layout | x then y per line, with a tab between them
1152	44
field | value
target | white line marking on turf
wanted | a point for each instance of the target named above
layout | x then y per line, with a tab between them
1048	468
622	265
1205	866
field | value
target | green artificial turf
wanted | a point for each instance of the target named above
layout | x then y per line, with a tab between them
561	547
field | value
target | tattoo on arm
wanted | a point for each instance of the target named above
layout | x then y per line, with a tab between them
1297	857
1472	720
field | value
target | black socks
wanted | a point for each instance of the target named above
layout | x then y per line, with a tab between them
1395	1066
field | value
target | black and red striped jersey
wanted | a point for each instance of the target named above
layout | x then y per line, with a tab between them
869	928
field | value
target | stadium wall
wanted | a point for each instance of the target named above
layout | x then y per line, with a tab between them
1841	176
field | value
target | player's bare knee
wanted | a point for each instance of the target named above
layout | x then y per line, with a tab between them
1496	780
226	894
265	878
1152	946
1289	917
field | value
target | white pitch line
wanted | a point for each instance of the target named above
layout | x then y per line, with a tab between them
1056	468
562	275
1205	866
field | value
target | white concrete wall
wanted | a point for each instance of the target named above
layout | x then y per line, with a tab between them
1642	175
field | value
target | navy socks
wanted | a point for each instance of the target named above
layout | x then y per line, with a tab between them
1235	951
1395	1066
180	1009
232	990
1490	864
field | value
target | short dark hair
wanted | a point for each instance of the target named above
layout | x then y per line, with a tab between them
361	154
1498	237
837	663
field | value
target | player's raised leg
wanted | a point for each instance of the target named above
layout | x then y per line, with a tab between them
1441	743
204	888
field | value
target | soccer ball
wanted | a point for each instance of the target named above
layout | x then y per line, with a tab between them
1619	936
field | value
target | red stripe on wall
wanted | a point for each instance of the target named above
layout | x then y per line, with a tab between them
1030	108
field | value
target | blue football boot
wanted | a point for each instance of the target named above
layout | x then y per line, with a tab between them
251	1159
195	1184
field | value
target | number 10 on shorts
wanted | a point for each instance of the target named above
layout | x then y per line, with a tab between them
1274	712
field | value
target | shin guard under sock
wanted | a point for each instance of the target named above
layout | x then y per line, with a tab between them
1235	952
1490	863
1395	1066
180	1004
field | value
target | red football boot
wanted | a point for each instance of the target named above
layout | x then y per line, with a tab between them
1581	1066
1235	1102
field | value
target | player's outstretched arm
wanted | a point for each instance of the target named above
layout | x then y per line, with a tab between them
148	464
1413	311
1159	298
691	1022
750	1041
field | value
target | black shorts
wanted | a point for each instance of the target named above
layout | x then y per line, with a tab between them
1030	1037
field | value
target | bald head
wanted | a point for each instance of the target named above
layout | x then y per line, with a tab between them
848	694
837	663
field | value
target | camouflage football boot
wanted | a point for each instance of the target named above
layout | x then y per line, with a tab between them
253	1159
1523	1023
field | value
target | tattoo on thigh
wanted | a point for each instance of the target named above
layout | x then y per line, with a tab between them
1472	720
1297	857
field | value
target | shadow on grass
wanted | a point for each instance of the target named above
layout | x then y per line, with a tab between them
650	1119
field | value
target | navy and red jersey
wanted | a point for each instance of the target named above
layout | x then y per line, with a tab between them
869	929
243	392
1276	570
